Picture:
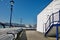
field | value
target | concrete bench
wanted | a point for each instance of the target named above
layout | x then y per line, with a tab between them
6	37
13	31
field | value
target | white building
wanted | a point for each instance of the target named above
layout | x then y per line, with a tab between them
42	17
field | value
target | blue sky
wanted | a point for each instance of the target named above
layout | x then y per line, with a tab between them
25	9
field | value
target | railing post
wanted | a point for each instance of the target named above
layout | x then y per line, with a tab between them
57	34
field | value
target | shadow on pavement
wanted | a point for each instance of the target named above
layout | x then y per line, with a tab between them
23	36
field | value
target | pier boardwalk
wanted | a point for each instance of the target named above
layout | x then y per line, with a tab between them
34	35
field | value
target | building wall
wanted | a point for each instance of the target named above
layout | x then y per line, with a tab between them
42	17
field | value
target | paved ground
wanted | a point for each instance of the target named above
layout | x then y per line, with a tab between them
34	35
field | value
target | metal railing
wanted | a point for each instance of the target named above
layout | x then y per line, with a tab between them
54	18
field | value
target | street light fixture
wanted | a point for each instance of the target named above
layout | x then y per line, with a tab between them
11	3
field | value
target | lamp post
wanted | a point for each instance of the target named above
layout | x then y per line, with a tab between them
11	3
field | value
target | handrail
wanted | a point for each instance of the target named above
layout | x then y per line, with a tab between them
51	21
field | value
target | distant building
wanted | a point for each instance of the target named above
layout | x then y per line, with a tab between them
42	17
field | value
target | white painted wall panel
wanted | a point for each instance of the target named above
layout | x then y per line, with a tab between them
42	17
